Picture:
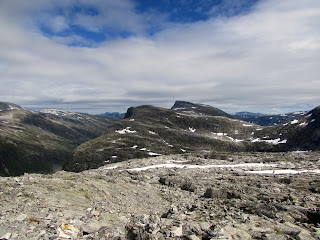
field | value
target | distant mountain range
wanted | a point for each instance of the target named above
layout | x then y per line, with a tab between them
115	114
42	141
266	119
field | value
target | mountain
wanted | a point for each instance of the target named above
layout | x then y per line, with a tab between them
266	119
115	114
302	133
150	131
42	141
192	108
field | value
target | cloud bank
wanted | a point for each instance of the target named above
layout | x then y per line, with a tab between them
266	59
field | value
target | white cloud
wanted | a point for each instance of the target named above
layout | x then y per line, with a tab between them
268	58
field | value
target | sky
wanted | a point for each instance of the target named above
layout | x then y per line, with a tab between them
104	55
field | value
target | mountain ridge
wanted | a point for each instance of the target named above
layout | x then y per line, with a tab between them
151	131
41	141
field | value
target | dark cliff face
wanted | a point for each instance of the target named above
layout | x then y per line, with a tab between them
41	141
182	106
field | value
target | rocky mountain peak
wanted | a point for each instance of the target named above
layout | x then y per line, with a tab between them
201	109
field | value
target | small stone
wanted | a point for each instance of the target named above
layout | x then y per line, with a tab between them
95	213
62	235
193	237
176	232
91	227
6	236
304	235
21	217
67	226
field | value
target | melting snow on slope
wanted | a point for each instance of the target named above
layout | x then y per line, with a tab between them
152	132
220	134
247	125
110	168
191	129
284	171
234	140
154	154
273	141
173	165
294	121
126	130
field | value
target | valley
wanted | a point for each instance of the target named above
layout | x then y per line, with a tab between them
190	172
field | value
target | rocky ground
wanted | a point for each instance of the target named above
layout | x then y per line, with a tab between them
181	197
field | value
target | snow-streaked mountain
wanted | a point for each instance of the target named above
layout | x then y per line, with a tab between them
42	141
266	119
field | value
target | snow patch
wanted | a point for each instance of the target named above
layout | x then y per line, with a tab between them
153	133
191	129
110	168
247	125
173	165
273	141
294	121
154	154
183	150
126	130
284	171
220	134
134	147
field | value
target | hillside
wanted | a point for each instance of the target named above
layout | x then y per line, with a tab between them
42	141
302	133
151	131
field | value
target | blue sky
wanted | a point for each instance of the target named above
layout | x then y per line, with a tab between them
87	20
105	55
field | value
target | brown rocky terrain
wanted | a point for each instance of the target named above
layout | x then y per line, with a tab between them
206	195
